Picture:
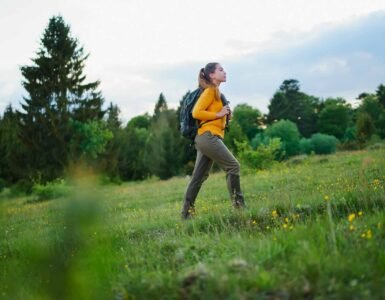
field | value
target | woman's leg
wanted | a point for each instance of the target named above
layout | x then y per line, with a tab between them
214	148
201	172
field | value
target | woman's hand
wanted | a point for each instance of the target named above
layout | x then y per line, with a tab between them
224	111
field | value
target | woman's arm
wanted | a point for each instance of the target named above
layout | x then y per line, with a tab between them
200	109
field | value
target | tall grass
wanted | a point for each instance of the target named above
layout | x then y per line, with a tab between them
314	228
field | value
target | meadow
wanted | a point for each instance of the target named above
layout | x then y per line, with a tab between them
313	229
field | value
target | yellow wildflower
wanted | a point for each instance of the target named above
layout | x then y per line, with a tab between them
287	220
284	225
368	234
360	213
351	227
351	217
274	214
326	197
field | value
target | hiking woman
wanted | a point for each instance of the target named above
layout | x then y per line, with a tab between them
212	115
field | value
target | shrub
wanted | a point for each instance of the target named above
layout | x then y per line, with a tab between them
260	158
259	139
289	135
51	190
323	143
305	146
22	187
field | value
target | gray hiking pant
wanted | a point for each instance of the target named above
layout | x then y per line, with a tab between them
210	149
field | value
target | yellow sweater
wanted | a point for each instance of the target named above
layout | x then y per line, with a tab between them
206	108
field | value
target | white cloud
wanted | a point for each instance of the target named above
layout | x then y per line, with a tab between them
136	45
329	65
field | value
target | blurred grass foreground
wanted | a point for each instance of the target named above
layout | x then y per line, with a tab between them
314	228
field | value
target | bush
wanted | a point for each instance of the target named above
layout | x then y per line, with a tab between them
51	190
22	187
260	158
305	146
289	135
323	143
259	139
319	143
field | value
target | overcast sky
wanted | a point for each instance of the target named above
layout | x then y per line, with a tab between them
140	48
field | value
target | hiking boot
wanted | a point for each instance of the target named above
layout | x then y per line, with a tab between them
188	210
234	186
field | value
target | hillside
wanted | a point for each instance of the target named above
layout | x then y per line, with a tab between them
313	228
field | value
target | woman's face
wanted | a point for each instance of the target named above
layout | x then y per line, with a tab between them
219	75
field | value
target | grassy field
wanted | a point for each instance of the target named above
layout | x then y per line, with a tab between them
313	229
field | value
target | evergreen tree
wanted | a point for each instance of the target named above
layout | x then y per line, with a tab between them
113	121
110	159
163	155
160	106
57	93
381	94
12	153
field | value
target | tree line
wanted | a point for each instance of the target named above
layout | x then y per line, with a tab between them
63	122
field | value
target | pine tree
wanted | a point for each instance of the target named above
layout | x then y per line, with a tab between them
162	153
113	121
380	92
12	153
110	159
57	93
160	106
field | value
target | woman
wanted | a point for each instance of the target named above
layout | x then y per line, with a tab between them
212	114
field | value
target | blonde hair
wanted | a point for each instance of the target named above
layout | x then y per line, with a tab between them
204	80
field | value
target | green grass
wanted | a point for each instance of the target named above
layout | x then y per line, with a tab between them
314	228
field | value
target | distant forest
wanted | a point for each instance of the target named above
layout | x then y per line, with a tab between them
64	122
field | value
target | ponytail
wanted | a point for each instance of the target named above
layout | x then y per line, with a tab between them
204	80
